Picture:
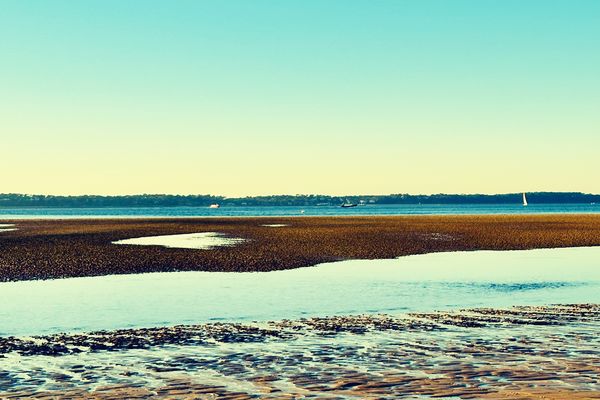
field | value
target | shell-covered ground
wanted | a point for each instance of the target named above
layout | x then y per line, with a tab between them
43	249
550	352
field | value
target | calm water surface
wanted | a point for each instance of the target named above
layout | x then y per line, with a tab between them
412	209
415	283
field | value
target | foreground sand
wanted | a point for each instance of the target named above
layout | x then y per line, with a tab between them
518	353
41	249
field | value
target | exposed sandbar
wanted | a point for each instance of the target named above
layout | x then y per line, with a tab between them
42	249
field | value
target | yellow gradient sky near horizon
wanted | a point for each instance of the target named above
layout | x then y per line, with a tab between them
339	97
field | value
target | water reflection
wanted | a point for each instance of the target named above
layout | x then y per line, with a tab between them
414	283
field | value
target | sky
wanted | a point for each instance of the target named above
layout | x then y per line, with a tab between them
334	97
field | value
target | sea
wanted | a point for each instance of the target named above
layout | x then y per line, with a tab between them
283	211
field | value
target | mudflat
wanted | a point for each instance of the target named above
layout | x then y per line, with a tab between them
45	249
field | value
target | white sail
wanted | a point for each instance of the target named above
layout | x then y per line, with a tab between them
524	199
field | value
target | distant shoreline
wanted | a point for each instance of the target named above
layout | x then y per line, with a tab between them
9	200
60	248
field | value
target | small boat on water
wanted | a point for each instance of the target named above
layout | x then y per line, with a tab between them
348	204
214	206
524	200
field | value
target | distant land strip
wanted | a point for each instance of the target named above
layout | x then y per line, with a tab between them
204	200
44	249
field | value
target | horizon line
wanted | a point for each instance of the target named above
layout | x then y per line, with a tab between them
296	194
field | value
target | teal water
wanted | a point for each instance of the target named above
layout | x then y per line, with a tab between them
411	209
414	283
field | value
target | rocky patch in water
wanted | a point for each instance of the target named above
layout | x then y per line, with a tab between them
207	334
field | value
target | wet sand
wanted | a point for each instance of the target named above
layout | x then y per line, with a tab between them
550	352
43	249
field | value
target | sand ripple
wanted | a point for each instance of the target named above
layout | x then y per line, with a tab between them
521	352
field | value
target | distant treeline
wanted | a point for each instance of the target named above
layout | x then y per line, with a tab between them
165	200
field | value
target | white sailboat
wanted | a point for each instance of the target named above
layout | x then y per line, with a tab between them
524	200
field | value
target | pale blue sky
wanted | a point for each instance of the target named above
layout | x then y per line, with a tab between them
260	97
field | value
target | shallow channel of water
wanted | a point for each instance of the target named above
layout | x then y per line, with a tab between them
414	283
